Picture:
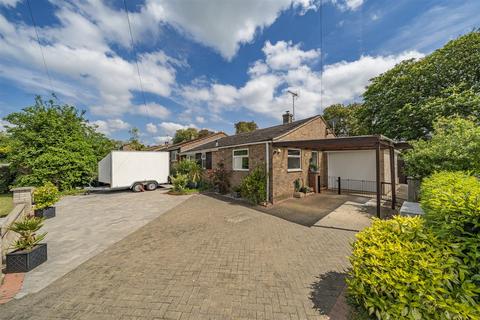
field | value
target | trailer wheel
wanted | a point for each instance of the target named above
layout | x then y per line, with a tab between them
137	187
151	186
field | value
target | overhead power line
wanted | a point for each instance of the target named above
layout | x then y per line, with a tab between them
135	54
321	53
40	46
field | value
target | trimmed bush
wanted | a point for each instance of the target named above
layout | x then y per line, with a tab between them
180	182
45	196
402	270
451	201
254	186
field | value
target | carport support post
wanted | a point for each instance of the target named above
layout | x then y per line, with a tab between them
393	177
379	185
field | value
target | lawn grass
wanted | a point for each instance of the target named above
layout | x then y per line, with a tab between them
6	204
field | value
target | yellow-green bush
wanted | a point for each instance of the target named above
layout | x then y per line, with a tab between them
45	196
402	270
451	201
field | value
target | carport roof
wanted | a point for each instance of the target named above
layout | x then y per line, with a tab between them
342	143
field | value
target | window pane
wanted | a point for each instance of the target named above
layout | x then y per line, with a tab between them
237	163
314	159
240	152
293	163
245	163
294	152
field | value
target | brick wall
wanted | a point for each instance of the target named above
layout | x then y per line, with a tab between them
283	181
315	129
256	157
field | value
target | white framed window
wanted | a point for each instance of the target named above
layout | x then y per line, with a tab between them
294	159
240	160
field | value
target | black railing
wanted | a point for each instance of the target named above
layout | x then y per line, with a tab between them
352	186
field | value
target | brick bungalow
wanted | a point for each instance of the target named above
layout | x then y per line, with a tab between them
177	149
243	152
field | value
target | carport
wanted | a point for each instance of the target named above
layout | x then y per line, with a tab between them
372	142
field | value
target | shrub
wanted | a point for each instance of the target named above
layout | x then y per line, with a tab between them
402	270
180	182
454	146
27	229
220	178
189	168
297	185
451	201
45	196
6	178
254	186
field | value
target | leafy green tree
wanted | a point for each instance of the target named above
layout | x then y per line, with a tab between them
405	101
187	134
134	141
343	119
454	146
204	132
245	126
52	142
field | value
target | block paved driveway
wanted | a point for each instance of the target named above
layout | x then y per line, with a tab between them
204	259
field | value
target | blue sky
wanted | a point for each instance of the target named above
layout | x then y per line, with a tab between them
209	64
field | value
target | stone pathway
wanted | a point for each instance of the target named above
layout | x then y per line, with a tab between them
204	259
86	225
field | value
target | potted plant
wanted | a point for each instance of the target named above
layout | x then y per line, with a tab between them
313	168
297	185
44	198
29	252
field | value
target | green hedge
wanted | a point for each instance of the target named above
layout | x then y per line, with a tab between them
402	270
451	201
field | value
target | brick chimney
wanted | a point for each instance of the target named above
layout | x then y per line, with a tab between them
287	117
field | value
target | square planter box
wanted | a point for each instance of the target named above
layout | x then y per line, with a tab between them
47	213
24	261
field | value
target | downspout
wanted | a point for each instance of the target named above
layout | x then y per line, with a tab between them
267	163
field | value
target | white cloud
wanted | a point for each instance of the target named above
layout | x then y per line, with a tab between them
151	128
265	92
169	128
162	139
284	55
82	64
258	68
9	3
200	119
348	4
110	126
152	110
430	29
223	25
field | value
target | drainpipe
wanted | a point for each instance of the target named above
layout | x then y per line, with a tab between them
267	163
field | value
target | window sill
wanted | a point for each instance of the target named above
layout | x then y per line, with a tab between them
241	170
294	170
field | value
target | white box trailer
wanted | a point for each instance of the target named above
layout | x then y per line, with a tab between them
136	170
